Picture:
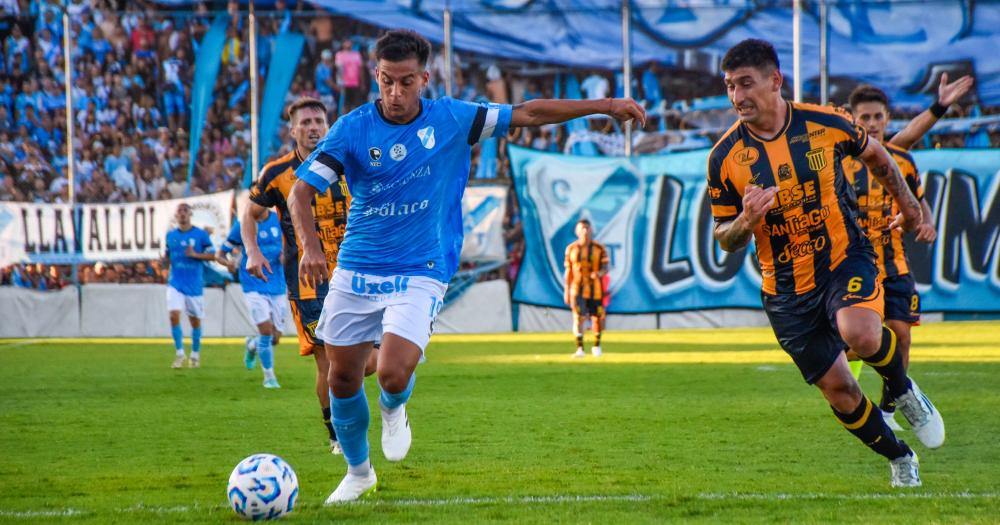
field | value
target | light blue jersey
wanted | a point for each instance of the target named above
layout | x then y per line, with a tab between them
185	272
269	240
406	182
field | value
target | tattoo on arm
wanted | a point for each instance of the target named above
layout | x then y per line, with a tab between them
890	177
733	235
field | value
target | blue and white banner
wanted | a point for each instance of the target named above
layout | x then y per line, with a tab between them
483	211
653	215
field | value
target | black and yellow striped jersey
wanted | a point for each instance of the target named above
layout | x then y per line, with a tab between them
329	209
877	209
806	234
584	263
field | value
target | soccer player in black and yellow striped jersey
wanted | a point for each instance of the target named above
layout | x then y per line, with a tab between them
870	108
776	175
586	264
307	117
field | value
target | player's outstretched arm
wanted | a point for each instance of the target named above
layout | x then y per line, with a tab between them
256	262
948	94
551	111
312	265
885	170
735	235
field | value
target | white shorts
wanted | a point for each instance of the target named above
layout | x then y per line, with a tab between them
192	305
267	308
359	308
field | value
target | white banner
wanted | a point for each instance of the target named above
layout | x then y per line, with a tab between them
483	210
103	232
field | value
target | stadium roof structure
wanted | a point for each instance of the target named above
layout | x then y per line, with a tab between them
898	45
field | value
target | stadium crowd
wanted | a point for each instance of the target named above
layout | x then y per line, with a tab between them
132	66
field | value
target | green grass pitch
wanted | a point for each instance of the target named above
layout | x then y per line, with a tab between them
676	426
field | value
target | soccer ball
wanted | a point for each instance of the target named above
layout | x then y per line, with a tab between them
262	487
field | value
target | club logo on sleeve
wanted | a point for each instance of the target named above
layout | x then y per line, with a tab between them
398	152
426	137
375	155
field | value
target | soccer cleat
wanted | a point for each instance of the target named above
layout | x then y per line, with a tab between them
579	353
250	356
396	434
890	420
335	447
178	362
905	471
924	419
194	361
271	383
353	488
596	351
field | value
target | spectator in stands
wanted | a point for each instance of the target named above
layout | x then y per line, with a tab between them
349	67
324	79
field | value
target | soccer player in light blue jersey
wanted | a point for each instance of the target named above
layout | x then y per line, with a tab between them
188	247
406	162
266	300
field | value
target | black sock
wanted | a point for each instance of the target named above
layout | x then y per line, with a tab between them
597	338
887	403
579	341
866	424
329	424
889	364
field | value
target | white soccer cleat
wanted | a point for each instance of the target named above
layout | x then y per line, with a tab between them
905	471
924	419
353	488
335	448
596	351
178	362
580	353
194	361
396	434
890	420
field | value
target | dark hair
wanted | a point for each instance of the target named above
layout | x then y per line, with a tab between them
402	44
752	52
867	93
302	103
585	221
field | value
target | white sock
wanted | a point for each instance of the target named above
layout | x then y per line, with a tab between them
269	373
360	470
195	355
390	413
179	352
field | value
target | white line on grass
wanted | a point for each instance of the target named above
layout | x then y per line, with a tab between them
40	513
779	496
510	500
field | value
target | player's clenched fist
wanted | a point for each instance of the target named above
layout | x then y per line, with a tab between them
756	202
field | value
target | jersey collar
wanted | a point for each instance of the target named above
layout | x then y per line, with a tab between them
784	127
378	108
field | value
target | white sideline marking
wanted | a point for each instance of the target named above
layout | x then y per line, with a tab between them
40	513
516	500
756	496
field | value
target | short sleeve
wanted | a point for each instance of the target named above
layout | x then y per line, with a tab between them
605	260
909	171
206	243
856	141
233	240
260	193
325	164
480	121
726	202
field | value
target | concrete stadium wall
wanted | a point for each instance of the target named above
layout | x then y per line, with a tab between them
483	308
30	313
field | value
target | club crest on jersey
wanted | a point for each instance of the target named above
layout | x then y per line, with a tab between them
398	152
426	137
816	158
746	156
375	155
784	172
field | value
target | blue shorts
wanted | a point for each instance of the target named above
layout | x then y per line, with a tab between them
174	103
806	324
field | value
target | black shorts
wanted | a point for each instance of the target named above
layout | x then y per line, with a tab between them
806	325
588	307
902	302
306	312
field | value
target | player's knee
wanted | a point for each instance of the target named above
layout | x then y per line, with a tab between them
393	380
862	340
843	395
